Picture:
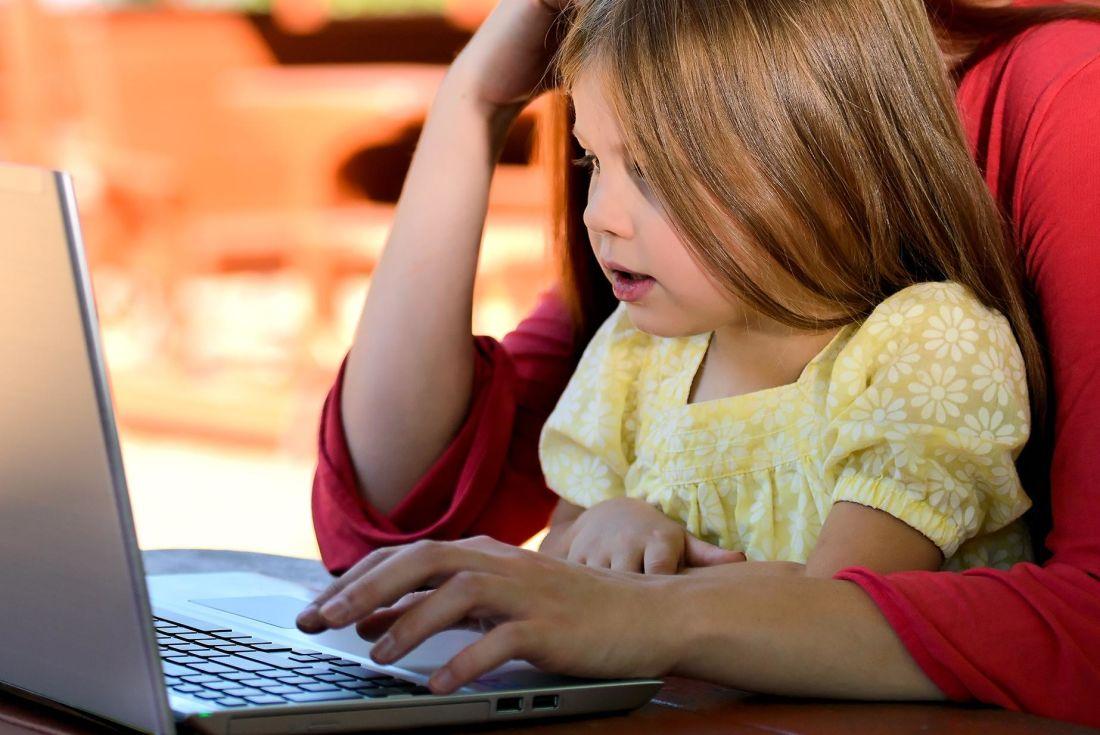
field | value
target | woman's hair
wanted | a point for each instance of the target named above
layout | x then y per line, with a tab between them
817	141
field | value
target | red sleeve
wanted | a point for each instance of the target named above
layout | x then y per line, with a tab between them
487	481
1029	638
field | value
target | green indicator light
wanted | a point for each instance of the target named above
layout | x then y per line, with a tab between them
204	714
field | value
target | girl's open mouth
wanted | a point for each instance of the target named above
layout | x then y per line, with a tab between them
630	286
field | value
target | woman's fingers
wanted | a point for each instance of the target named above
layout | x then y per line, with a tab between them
425	563
465	595
310	620
503	643
377	623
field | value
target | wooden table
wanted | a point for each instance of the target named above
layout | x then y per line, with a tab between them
682	706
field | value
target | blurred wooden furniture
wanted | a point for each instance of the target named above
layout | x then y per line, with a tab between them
682	706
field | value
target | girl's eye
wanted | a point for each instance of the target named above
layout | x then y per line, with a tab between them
588	162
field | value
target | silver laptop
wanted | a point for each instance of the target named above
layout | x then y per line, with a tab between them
84	628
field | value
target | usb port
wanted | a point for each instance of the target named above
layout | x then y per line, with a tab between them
544	701
510	704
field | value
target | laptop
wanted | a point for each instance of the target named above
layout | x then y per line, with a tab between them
86	630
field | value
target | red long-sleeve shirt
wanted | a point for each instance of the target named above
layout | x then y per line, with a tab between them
1027	638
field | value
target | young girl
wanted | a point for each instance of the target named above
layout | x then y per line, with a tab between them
822	353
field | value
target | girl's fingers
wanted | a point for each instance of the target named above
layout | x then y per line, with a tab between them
425	563
698	553
465	595
501	644
627	560
661	557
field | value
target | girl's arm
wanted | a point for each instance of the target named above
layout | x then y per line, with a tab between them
408	376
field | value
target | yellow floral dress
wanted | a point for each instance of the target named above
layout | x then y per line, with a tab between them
920	411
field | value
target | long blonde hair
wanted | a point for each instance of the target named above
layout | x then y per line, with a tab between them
823	135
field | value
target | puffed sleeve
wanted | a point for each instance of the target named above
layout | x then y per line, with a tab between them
928	410
582	448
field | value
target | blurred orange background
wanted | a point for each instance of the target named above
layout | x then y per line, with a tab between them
236	168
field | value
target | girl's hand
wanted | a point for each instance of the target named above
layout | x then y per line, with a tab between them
505	63
559	616
629	535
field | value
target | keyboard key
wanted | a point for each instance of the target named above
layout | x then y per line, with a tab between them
272	673
326	657
304	659
181	647
243	692
208	653
171	680
189	622
208	642
335	678
365	674
182	659
258	682
238	675
294	679
192	636
171	669
342	662
187	688
237	662
321	696
305	652
194	678
319	687
275	660
246	640
231	648
265	699
211	668
221	686
271	647
284	689
207	694
315	670
232	702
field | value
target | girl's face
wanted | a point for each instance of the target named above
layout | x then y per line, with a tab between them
671	295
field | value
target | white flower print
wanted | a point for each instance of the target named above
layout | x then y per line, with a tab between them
587	480
989	428
939	393
993	377
899	359
892	315
596	424
872	410
851	370
951	333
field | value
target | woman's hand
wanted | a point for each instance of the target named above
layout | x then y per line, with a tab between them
505	63
559	616
629	535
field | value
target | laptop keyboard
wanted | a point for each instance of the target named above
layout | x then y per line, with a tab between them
234	669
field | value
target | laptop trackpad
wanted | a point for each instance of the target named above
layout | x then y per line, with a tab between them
279	611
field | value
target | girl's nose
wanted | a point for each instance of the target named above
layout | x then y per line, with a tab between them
607	210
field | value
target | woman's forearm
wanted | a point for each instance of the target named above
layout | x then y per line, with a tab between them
408	377
793	635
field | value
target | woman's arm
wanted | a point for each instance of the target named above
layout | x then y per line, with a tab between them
783	634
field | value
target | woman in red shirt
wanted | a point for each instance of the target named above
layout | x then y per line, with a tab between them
1027	638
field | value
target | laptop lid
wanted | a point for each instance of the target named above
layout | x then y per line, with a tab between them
76	623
